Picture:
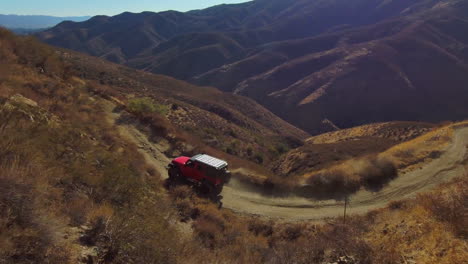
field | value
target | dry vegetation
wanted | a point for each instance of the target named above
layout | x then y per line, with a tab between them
415	153
331	149
395	131
71	189
369	156
64	168
428	229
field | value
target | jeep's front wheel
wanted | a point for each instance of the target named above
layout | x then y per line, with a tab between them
174	174
217	189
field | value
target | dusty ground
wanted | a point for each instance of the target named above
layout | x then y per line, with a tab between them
243	199
449	165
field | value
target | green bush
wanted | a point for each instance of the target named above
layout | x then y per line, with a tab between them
259	158
281	148
146	105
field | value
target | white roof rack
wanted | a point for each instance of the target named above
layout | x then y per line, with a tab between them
210	161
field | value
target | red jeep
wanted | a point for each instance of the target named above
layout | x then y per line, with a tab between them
203	170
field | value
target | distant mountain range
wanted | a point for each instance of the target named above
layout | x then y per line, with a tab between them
26	23
317	64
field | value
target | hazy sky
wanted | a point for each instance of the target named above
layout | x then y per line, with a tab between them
101	7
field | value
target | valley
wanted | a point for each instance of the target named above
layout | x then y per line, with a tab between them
345	70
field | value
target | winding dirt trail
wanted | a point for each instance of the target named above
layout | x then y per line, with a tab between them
243	199
153	153
450	164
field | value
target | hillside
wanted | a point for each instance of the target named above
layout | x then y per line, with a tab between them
350	63
333	148
75	189
233	124
65	172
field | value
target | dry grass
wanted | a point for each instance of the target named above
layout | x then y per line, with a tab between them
430	229
52	176
449	205
334	148
396	131
421	150
62	166
313	157
29	232
348	175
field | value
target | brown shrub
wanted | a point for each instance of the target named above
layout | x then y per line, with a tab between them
28	234
104	91
259	227
206	232
449	206
321	244
77	209
186	210
290	232
301	252
16	200
397	205
139	235
209	227
182	196
39	56
181	192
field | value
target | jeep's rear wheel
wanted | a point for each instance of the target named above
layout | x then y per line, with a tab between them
212	189
205	187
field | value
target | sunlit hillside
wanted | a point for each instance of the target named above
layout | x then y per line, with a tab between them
84	145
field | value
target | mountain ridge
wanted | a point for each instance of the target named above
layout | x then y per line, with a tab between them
292	55
12	21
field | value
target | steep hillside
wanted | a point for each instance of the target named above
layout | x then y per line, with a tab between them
306	61
231	123
74	189
67	179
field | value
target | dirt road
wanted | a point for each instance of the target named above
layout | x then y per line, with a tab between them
244	199
450	164
153	153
